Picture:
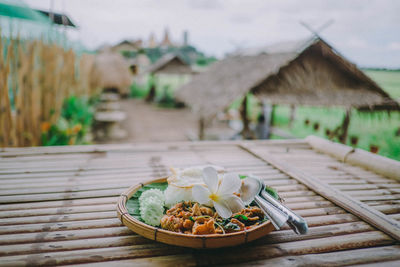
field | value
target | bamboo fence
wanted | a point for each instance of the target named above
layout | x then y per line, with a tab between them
35	78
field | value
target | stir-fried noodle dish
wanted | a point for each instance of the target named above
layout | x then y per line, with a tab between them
201	201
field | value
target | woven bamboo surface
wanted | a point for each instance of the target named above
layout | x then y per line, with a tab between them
58	205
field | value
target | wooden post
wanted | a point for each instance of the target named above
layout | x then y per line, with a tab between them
245	119
201	129
152	92
262	130
345	126
292	115
271	121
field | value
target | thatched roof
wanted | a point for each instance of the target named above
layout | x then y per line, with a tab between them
309	72
141	60
58	18
170	64
110	71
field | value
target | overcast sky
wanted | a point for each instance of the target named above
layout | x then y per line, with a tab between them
366	32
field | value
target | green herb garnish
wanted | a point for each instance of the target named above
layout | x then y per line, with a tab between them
271	191
241	216
242	176
191	218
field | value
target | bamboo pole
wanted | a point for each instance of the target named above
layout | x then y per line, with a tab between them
272	122
7	118
201	128
345	126
246	134
2	98
385	166
292	115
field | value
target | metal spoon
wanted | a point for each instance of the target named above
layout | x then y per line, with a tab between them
296	222
254	189
250	191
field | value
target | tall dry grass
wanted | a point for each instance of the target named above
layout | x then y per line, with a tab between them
35	78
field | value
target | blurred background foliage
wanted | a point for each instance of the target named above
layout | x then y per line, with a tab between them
73	126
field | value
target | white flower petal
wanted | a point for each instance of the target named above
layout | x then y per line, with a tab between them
249	189
223	209
210	177
201	194
234	203
230	183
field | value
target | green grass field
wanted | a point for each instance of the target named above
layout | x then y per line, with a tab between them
388	80
378	128
165	84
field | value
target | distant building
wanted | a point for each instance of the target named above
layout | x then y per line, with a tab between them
152	41
139	63
166	42
128	46
110	72
140	55
185	38
19	21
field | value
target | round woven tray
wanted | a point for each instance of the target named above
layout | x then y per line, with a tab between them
185	240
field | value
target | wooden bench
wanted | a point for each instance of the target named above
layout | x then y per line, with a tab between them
108	106
109	97
107	125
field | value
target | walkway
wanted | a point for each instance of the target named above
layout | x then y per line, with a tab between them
149	123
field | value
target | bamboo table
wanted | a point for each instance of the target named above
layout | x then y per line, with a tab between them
58	203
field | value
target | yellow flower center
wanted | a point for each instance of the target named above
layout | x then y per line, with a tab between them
214	197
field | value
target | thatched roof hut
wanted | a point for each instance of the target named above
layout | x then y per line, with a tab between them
309	72
170	64
127	46
139	63
141	60
110	71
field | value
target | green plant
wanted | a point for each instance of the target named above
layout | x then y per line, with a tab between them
389	80
77	110
73	125
138	91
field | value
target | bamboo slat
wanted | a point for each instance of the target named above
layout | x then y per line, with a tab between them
368	214
57	226
23	238
75	186
385	255
209	257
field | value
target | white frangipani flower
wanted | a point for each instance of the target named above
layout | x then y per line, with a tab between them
219	194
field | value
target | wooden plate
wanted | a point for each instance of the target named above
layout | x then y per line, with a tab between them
185	240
